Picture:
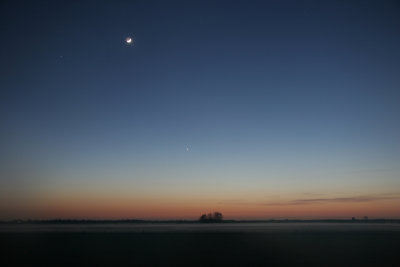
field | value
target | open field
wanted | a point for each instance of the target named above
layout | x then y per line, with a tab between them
317	244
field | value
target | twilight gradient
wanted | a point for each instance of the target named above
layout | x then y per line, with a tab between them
258	109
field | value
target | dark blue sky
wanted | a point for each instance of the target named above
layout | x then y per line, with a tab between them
257	89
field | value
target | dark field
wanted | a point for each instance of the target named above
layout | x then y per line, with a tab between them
206	245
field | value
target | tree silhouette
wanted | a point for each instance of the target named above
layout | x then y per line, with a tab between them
203	218
211	217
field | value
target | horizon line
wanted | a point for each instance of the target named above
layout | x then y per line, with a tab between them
196	220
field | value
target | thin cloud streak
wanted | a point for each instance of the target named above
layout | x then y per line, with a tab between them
310	201
339	199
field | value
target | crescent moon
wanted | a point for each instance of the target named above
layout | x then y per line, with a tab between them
129	40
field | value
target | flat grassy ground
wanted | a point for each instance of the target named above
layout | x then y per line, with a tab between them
378	246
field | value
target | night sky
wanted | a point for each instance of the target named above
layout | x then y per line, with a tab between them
257	109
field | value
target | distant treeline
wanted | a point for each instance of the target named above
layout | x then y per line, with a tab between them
124	221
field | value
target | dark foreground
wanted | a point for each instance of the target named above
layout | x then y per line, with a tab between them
194	245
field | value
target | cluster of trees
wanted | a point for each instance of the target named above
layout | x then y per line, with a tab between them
211	217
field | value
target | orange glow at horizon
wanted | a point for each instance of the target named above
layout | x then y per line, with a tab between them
162	208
